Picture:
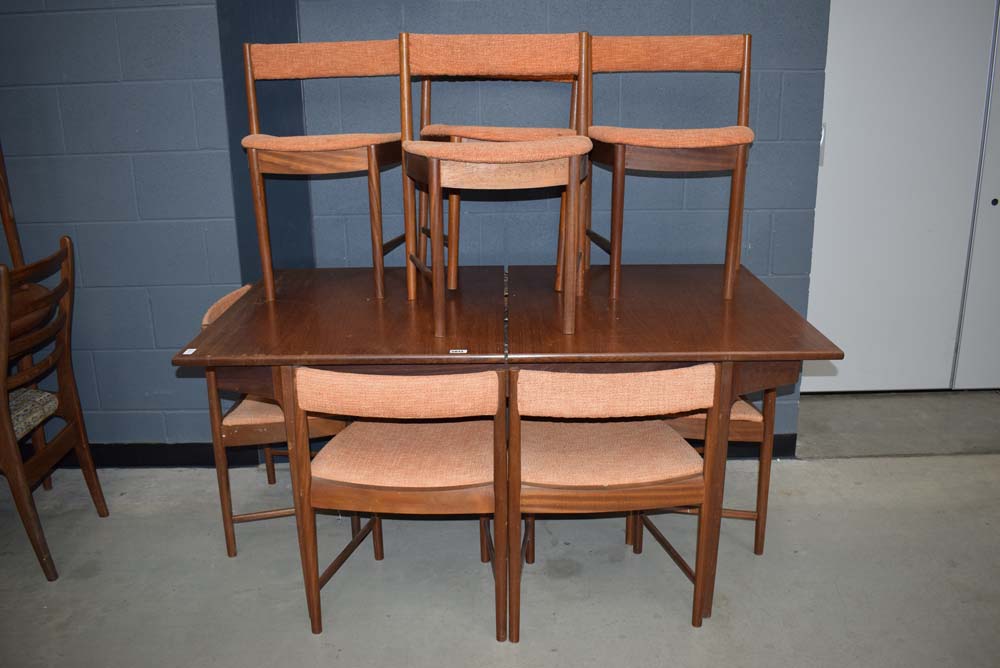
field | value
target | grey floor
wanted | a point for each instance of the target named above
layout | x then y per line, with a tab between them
875	561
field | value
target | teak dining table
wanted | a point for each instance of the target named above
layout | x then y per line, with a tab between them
666	315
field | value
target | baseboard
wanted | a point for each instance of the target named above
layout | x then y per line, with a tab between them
182	455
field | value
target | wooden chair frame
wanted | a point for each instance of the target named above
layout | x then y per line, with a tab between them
702	492
677	57
312	494
32	319
319	60
434	176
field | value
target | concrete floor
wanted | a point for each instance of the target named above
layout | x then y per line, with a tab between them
869	562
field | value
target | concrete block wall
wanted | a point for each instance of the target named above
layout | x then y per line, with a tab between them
113	122
113	125
667	219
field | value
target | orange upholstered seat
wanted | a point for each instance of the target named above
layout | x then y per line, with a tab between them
251	410
742	411
734	135
492	133
318	142
604	454
501	152
410	455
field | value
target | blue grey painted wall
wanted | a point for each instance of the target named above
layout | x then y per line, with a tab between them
112	118
666	219
113	125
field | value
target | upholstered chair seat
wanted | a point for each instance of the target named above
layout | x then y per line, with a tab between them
742	410
411	455
251	410
734	135
501	152
604	454
492	133
318	142
29	408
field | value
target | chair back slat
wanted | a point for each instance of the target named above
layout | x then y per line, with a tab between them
397	397
36	318
495	56
669	53
322	60
615	395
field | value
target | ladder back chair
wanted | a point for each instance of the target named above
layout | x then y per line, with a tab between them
36	340
251	421
484	165
386	462
314	155
688	150
566	463
459	133
17	261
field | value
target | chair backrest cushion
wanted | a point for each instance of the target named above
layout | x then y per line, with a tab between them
495	56
669	53
431	397
321	60
615	395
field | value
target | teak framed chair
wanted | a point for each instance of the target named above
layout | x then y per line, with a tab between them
459	133
17	261
320	154
703	150
251	421
37	324
572	466
510	165
446	464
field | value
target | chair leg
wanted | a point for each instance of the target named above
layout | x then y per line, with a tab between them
355	524
484	547
422	224
25	504
629	528
38	444
501	561
454	215
437	245
377	539
529	530
571	247
700	570
585	208
617	221
764	470
269	465
310	566
637	533
375	220
514	569
561	241
84	458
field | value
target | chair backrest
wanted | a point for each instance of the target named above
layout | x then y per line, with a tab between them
678	53
315	60
35	317
613	395
222	305
551	57
7	214
435	396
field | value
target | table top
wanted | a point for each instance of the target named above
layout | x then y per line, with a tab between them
666	313
331	316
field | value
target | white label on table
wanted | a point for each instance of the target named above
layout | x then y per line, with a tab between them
458	351
189	351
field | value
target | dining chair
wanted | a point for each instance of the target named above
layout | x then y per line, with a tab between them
314	155
511	165
17	260
250	421
685	151
588	452
36	342
458	133
414	449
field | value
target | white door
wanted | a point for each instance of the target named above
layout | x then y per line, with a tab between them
978	362
905	97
